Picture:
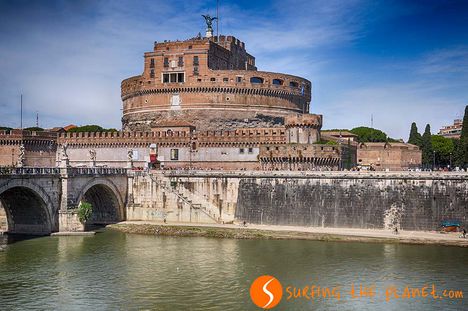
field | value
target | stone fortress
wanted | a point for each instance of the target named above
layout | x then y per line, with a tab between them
199	114
202	104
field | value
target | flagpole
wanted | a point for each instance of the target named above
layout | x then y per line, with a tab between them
217	20
21	112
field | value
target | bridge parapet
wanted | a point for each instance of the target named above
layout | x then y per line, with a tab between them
29	171
74	171
70	171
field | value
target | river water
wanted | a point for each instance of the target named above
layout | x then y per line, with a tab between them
118	271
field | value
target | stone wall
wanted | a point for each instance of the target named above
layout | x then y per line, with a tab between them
409	203
153	198
334	199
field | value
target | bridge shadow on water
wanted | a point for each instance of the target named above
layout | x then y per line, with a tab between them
10	238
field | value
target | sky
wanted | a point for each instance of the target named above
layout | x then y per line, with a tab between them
396	62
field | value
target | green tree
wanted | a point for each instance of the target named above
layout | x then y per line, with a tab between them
415	138
4	128
34	128
91	128
461	149
444	149
85	210
368	134
426	146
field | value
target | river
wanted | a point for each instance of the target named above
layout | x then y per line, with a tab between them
118	271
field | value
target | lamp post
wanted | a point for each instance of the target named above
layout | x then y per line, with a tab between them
433	158
450	166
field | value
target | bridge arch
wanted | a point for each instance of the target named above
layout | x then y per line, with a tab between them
28	208
107	202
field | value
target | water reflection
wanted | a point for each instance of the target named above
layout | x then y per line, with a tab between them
132	272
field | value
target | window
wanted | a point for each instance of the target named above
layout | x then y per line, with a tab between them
238	79
256	80
189	47
166	62
174	154
250	150
212	79
152	73
277	82
195	61
241	150
181	62
180	77
195	71
174	77
225	80
152	63
293	84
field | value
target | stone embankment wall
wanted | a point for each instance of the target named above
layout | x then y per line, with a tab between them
409	201
154	198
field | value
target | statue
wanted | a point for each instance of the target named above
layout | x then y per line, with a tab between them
64	161
130	158
209	22
64	150
92	155
21	156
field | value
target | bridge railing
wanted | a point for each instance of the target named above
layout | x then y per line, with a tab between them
96	171
29	170
57	171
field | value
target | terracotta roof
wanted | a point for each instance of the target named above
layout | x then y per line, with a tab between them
69	127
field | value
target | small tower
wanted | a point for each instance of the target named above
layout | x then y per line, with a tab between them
303	128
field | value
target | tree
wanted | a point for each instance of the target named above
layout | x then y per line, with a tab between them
85	210
368	134
461	150
414	137
426	146
34	129
4	128
444	149
91	128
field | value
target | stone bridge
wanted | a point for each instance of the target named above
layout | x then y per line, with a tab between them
40	201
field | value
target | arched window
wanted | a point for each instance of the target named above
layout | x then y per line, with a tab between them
277	81
293	84
256	80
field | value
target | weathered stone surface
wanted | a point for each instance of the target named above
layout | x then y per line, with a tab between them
410	204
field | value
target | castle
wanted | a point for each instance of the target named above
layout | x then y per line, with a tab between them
202	104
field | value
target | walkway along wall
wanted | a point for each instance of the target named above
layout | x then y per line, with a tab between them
410	201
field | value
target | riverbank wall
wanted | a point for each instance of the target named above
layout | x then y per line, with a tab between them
406	200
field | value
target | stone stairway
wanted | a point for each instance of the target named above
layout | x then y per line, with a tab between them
187	198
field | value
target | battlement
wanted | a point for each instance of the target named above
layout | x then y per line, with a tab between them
168	137
303	120
18	133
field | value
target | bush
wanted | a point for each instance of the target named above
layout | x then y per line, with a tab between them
85	211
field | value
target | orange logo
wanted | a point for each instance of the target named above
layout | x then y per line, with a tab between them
266	291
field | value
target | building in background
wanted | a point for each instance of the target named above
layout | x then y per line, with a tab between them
393	156
452	131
